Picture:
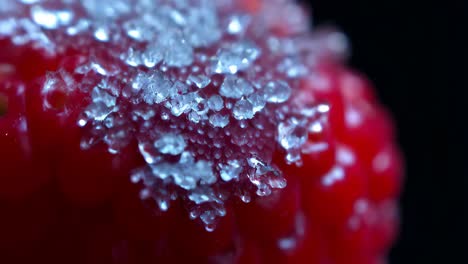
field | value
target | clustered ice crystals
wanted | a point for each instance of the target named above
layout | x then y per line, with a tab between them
205	89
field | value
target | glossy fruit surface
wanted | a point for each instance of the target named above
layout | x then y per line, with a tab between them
188	131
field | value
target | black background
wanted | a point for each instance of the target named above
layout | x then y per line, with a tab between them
415	55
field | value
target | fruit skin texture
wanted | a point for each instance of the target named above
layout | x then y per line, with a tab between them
349	210
61	203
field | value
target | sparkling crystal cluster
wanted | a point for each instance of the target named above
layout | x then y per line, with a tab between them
208	91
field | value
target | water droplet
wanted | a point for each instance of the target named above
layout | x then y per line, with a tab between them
163	205
210	227
246	198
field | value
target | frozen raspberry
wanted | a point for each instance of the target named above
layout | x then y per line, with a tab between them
136	131
22	171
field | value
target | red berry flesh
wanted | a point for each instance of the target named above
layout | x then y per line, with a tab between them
136	132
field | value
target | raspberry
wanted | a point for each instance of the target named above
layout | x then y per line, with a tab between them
22	171
176	131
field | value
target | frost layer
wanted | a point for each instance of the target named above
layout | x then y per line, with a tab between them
208	90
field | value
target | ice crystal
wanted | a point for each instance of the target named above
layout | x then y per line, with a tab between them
237	57
215	102
170	144
207	90
231	170
237	24
277	91
235	87
218	120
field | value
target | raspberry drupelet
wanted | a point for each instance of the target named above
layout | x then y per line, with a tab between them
174	131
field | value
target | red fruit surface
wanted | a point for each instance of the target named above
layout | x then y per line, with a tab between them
188	132
22	171
341	187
